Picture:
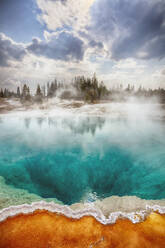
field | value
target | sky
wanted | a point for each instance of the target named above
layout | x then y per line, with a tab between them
122	41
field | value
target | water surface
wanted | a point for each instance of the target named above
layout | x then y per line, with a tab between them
78	158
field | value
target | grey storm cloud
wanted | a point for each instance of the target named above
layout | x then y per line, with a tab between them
94	43
91	42
132	28
10	51
65	47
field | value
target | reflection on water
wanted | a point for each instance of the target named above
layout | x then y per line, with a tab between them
81	158
27	122
84	125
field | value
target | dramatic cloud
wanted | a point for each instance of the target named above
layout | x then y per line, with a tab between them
65	14
9	51
130	28
64	46
122	41
94	43
124	28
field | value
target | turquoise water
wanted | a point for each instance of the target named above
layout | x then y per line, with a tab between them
78	159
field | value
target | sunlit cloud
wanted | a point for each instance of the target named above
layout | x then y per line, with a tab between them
65	14
121	41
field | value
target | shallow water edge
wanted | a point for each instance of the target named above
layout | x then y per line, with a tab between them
85	210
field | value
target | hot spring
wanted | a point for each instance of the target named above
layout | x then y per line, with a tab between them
82	158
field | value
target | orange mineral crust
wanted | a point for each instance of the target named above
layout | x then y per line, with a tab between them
43	229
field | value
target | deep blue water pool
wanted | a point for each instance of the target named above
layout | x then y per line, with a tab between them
78	159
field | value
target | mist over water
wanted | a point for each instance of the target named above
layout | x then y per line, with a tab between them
81	158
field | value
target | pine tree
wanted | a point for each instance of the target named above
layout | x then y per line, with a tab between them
1	93
24	91
43	91
6	94
38	95
38	91
18	92
128	87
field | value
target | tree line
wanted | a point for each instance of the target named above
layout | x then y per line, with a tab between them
81	88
